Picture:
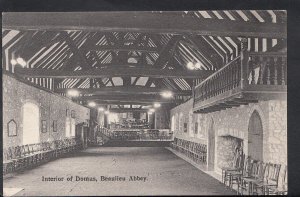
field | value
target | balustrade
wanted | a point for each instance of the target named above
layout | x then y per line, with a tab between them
267	69
227	78
259	68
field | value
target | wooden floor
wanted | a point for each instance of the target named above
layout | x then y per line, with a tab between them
164	172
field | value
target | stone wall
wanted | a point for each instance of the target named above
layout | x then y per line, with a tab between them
184	114
235	122
51	107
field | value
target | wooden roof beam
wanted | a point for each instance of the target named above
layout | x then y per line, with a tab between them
148	22
114	72
122	48
131	101
123	90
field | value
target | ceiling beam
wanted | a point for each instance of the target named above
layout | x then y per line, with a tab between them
121	90
124	110
123	97
148	22
131	101
113	72
124	102
122	48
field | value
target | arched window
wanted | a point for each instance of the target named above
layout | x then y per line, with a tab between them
31	123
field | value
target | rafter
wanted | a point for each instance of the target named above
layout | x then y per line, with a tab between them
165	54
77	53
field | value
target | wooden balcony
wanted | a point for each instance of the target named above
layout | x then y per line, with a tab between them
248	78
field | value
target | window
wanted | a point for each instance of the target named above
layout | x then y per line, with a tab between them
73	125
68	127
196	128
180	122
185	127
12	128
54	125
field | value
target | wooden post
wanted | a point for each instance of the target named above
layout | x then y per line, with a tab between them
244	62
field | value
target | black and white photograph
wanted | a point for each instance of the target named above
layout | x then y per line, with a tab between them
145	103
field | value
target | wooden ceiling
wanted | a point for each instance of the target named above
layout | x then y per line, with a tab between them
112	56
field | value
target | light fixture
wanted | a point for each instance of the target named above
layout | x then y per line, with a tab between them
101	109
190	66
92	104
198	65
157	105
106	112
21	61
73	93
151	110
13	62
167	94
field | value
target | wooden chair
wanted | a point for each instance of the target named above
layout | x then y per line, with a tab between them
234	175
28	155
233	167
8	162
271	182
282	187
21	161
260	176
246	181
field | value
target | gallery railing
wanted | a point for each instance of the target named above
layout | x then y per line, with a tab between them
259	72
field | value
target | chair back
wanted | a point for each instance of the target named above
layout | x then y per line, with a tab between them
241	161
11	153
284	180
261	169
236	158
5	155
18	151
254	168
247	166
273	173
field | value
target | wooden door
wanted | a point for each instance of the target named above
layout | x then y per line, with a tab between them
255	137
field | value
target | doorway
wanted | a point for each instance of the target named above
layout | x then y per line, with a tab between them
211	146
255	137
31	123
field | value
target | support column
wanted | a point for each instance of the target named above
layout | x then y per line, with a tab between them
244	62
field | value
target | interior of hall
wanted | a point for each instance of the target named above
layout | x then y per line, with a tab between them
209	87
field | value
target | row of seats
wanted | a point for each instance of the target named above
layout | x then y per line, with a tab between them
255	177
195	151
140	135
27	156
